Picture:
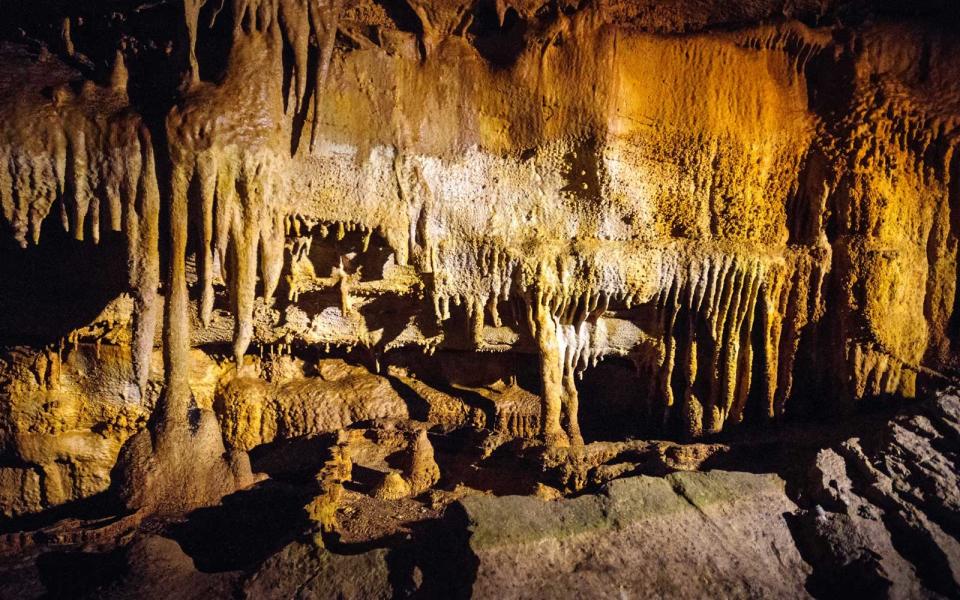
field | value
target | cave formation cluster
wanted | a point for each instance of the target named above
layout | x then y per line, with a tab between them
563	224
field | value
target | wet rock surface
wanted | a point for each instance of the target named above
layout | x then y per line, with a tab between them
718	534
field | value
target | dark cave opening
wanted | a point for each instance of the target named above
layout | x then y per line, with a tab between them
610	399
501	45
52	288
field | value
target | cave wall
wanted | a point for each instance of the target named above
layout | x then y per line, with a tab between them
753	204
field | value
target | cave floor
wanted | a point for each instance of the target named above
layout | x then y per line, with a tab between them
77	551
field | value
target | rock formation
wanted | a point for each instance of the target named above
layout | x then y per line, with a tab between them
422	470
330	479
538	247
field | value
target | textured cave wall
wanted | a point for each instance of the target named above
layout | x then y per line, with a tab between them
753	205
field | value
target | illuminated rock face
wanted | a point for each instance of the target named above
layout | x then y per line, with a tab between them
760	218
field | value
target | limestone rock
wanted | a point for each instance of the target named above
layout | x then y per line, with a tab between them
422	470
713	206
304	571
392	487
890	506
388	216
158	567
686	535
254	412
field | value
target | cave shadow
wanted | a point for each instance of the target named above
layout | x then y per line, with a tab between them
246	528
441	549
402	15
363	480
293	460
608	408
366	253
830	577
504	472
75	574
835	575
499	46
437	547
102	509
391	314
418	406
58	285
789	448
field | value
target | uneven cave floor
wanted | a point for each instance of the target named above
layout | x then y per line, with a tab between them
83	550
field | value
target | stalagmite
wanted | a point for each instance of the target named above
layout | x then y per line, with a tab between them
191	14
343	280
551	374
422	471
336	471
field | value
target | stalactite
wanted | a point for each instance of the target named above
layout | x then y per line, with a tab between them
241	186
303	22
191	14
83	150
875	372
272	240
176	325
243	271
242	226
295	19
142	232
711	312
324	19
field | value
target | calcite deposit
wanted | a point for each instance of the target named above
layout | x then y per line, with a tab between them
388	270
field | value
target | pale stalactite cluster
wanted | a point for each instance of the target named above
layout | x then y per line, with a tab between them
712	311
90	154
239	167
